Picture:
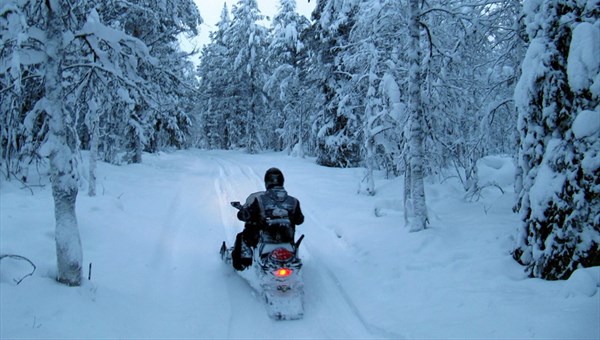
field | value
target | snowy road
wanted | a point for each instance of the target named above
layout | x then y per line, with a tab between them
153	237
197	219
329	311
153	234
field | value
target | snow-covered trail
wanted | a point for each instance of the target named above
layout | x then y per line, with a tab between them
152	235
154	231
165	228
329	312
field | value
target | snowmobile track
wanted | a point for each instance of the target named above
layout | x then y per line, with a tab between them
328	275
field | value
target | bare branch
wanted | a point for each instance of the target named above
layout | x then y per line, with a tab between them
19	257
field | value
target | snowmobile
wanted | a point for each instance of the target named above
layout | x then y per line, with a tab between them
275	272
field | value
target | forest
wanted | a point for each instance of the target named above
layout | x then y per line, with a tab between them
408	88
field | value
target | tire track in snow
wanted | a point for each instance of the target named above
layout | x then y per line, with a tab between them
234	183
223	189
247	310
330	279
184	242
168	234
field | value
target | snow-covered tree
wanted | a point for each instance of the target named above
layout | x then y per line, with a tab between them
373	109
464	81
21	134
283	87
558	101
60	147
43	32
336	124
91	79
157	120
417	208
374	88
247	43
468	77
214	99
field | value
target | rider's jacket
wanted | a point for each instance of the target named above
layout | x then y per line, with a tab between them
273	212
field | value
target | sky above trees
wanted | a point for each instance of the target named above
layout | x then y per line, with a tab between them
211	11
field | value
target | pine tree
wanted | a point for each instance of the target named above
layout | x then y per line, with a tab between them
157	119
248	41
283	87
215	99
336	124
557	95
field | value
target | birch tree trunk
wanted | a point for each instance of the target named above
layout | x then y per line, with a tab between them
370	113
419	209
63	172
300	146
138	147
94	141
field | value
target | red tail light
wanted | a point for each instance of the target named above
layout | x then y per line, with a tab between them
283	272
281	254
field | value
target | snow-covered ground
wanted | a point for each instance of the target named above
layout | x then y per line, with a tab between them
153	233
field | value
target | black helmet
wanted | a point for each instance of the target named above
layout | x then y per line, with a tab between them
273	178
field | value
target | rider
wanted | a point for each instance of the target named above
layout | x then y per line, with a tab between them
273	211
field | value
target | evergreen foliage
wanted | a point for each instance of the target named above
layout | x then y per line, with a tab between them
247	42
559	93
283	86
216	97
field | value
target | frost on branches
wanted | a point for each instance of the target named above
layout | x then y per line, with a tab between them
558	101
84	83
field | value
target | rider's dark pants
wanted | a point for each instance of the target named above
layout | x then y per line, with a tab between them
250	237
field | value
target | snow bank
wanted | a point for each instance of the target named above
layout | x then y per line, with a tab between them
583	281
498	170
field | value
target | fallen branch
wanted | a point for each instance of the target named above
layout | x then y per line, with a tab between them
477	191
19	257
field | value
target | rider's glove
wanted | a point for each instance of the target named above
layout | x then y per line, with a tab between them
243	215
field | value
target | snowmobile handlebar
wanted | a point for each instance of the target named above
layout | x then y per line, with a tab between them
237	205
297	243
